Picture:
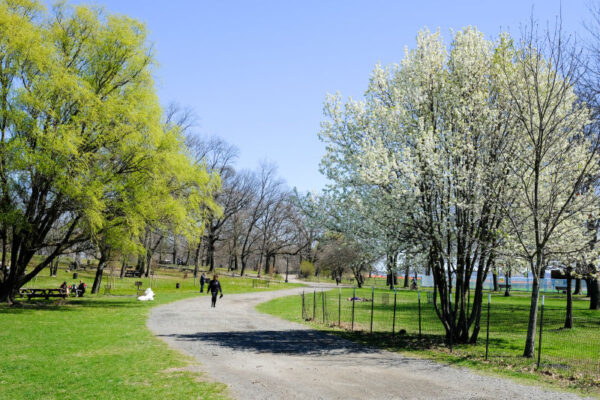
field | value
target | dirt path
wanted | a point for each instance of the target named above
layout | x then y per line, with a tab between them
263	357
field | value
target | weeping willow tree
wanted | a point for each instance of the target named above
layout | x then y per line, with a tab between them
84	154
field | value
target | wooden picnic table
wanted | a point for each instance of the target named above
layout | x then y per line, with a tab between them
132	274
45	293
561	289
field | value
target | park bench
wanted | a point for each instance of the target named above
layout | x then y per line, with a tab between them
562	289
503	286
45	293
132	274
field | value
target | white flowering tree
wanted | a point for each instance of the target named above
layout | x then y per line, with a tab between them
554	163
431	136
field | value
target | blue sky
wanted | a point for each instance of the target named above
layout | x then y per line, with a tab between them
257	73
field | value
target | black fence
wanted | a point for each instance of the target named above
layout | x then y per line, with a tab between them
260	283
571	352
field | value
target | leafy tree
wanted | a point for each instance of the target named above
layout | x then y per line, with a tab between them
80	134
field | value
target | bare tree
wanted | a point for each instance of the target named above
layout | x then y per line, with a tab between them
554	162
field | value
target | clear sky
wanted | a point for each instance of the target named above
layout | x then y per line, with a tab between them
256	73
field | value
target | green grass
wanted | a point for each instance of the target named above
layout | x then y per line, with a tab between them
98	346
570	358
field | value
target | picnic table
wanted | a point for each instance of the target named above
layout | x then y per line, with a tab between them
132	273
45	293
561	289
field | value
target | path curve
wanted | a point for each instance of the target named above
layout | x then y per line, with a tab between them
263	357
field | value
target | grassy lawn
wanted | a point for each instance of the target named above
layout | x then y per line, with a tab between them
570	358
99	346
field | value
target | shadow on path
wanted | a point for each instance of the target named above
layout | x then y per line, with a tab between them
291	342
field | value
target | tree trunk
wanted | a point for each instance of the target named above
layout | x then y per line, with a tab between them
98	278
569	316
54	267
495	279
175	250
273	264
4	267
244	263
359	280
577	286
99	271
197	259
148	260
140	266
187	257
532	324
267	264
406	277
507	290
390	271
210	253
123	267
594	292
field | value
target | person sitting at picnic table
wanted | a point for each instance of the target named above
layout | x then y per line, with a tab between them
81	289
413	284
64	288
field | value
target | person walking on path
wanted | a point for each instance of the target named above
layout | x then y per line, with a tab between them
214	287
202	282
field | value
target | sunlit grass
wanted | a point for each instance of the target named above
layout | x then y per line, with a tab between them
98	346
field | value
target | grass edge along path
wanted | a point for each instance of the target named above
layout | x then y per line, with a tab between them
98	347
290	308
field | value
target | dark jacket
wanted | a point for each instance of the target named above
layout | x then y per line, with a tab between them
214	286
203	279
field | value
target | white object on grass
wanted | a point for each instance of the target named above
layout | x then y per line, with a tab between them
148	295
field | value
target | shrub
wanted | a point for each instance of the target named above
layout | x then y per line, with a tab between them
307	269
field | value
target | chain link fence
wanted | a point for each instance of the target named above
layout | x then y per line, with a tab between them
572	352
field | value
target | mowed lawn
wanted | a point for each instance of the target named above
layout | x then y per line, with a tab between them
98	347
570	357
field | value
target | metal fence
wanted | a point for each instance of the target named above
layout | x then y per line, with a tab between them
260	283
572	352
518	283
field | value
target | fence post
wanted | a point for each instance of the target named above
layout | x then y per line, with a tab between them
340	308
419	303
487	335
541	329
451	320
303	310
323	299
314	305
372	305
394	319
353	301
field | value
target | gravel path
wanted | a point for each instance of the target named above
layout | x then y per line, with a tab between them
262	357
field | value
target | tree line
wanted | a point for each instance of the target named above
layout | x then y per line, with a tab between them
91	163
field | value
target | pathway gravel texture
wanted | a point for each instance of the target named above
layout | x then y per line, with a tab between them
263	357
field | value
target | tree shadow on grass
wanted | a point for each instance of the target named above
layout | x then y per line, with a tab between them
290	342
23	306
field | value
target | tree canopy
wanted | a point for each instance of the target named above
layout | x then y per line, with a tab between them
84	152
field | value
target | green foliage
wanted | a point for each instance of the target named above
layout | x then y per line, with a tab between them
307	269
84	151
